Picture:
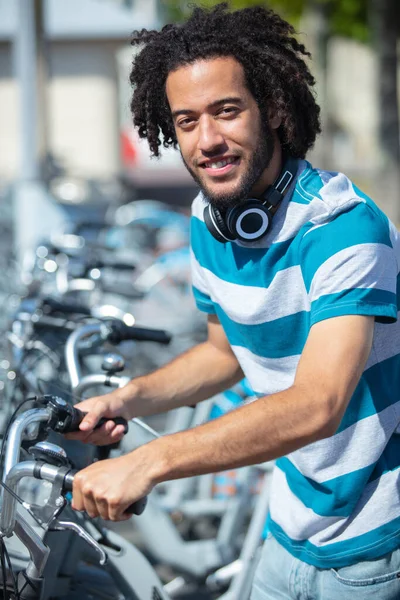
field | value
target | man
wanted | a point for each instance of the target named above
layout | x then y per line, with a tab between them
297	270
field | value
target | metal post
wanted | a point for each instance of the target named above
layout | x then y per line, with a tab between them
35	214
26	69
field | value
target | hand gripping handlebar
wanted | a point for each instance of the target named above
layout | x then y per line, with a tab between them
66	419
136	508
50	413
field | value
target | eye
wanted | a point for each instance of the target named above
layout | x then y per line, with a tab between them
185	123
228	111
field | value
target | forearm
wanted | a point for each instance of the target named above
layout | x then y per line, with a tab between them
263	430
199	373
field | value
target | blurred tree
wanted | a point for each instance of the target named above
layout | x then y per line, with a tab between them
385	25
346	17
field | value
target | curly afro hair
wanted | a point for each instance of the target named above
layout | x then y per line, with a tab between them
260	40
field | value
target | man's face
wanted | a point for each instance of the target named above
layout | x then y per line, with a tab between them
223	143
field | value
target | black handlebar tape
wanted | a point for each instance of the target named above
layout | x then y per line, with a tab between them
78	415
66	307
121	332
134	509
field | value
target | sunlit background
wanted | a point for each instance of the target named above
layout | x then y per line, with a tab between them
67	144
74	175
64	93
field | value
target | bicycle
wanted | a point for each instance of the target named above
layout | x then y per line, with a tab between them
54	568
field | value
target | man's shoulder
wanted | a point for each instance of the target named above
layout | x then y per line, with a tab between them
349	219
333	188
333	193
198	206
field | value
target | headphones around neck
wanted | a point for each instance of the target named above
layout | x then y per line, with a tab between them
251	220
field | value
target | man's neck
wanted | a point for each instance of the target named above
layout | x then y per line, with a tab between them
270	174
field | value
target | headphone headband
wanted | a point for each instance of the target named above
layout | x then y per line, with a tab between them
280	185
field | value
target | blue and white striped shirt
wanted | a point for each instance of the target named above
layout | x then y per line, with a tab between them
330	252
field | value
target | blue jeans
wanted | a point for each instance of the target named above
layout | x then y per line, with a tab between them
281	576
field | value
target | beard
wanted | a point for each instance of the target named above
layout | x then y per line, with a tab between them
259	161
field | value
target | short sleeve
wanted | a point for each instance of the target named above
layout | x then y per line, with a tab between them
199	287
349	267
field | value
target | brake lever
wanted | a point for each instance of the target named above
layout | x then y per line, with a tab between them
71	526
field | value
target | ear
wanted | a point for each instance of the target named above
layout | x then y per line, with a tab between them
274	120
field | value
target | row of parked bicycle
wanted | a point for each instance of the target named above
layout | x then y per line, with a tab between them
105	302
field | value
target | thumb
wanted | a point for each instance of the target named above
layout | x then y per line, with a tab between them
92	417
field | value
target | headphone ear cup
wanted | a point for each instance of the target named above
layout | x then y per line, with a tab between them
249	221
216	224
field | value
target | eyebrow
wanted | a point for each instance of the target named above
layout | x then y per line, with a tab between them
215	104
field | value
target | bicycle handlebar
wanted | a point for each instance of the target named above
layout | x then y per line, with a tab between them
136	508
55	414
50	305
121	332
117	331
71	423
50	322
68	420
117	265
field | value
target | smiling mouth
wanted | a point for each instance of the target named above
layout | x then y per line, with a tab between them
220	167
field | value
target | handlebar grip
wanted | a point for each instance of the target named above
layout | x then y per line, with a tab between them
134	509
78	415
137	507
54	305
50	322
107	263
117	421
121	332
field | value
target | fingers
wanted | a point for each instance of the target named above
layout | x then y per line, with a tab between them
109	433
97	410
95	504
83	498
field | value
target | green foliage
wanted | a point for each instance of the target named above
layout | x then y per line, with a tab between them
177	10
345	17
350	18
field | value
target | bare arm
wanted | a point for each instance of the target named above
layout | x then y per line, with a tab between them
199	373
196	375
311	409
330	367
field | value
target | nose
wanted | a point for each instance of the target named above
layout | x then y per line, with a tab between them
210	135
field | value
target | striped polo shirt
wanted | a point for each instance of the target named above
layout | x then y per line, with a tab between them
330	252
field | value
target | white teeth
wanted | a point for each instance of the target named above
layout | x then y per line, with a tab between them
220	164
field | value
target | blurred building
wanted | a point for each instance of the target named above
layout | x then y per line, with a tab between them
87	97
353	106
86	115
